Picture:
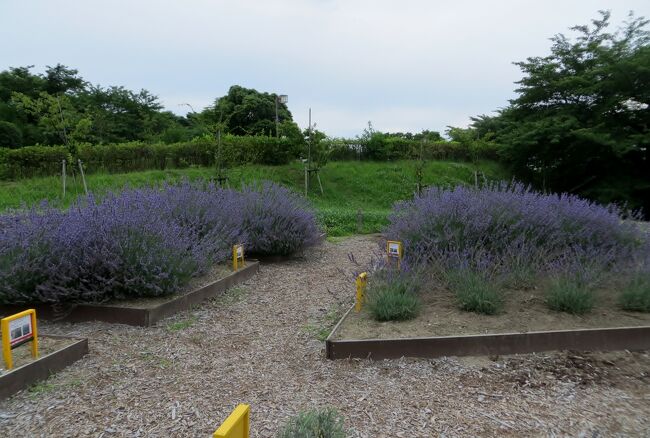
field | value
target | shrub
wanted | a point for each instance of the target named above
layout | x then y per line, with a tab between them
392	295
10	135
474	292
570	295
501	225
138	243
277	220
318	423
636	294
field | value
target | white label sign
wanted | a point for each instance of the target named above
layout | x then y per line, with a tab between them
20	329
240	251
393	249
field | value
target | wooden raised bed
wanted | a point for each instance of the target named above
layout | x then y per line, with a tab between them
143	315
600	339
40	369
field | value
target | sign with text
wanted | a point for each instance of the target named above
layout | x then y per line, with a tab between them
395	250
16	330
237	256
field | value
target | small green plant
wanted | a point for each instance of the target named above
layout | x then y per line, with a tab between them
474	292
570	295
40	388
322	329
317	423
182	325
636	295
392	296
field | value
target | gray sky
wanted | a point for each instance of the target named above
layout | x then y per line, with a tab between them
404	65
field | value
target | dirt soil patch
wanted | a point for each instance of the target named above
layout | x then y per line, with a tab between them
257	345
23	355
524	311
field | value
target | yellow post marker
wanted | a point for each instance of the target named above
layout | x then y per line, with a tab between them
237	425
395	250
361	282
16	330
237	255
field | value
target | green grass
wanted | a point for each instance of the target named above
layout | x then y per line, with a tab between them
349	187
320	330
393	296
569	295
317	423
636	294
474	292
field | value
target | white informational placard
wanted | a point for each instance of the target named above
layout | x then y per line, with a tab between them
393	249
20	329
240	251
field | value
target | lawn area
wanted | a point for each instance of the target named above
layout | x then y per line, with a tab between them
349	186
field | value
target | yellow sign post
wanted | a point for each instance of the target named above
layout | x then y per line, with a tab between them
16	330
237	425
361	282
395	250
237	255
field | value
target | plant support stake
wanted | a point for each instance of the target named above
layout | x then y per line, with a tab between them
83	177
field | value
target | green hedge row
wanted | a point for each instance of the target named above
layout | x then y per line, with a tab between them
124	157
383	148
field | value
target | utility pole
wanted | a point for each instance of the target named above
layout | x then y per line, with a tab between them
279	98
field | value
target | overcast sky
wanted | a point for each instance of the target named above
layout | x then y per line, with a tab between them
404	65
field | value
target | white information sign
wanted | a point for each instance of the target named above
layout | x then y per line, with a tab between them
393	249
20	329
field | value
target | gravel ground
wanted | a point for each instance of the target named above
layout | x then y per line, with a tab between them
256	345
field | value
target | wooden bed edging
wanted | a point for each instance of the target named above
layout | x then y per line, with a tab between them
143	316
601	339
26	375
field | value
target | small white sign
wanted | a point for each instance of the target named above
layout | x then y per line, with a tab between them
393	249
20	329
240	251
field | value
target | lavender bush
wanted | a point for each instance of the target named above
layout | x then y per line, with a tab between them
277	221
139	243
505	227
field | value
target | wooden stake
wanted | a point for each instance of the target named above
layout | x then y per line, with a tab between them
83	177
63	176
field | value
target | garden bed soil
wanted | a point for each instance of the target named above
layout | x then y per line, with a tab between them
524	311
145	312
54	354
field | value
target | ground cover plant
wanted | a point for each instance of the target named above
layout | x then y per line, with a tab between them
393	295
143	242
316	423
507	233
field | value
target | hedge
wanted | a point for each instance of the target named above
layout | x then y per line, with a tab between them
123	157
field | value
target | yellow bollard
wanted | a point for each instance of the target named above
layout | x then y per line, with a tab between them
237	425
237	254
361	282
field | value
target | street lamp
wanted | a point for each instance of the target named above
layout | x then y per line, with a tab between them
279	98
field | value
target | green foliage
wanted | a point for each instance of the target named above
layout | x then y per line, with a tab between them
317	423
570	295
245	111
580	122
393	296
372	187
31	161
636	294
474	292
10	135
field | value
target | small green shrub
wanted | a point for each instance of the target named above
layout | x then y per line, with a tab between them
570	295
636	295
392	296
317	423
474	292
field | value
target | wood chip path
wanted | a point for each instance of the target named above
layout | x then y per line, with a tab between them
256	345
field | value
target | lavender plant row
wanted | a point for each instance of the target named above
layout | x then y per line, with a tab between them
145	242
506	227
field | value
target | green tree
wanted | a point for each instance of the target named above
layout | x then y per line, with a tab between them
246	111
10	135
580	120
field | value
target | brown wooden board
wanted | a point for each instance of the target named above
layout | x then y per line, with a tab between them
142	315
605	339
40	369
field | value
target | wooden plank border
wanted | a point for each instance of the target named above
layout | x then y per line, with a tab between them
145	316
600	339
40	369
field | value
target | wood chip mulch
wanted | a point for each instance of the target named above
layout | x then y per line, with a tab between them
256	345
